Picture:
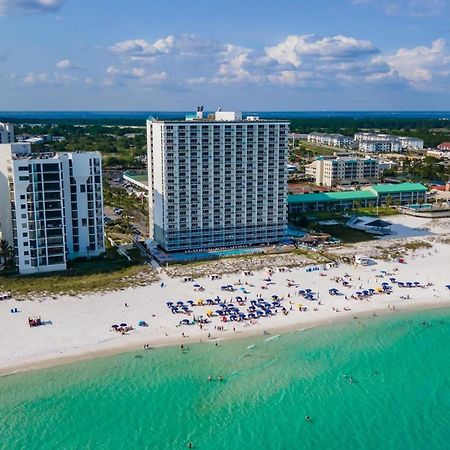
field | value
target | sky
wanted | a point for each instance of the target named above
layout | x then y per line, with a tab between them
285	55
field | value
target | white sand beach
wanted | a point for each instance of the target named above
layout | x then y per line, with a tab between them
80	327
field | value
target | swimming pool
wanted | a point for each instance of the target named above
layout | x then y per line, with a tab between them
420	207
205	255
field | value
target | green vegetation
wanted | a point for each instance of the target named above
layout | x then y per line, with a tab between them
109	272
416	245
432	131
345	234
120	147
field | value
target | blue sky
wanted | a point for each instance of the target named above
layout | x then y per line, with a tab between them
246	55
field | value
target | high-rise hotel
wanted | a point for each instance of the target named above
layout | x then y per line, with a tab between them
51	206
217	181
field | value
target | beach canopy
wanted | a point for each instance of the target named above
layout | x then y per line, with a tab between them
123	324
142	323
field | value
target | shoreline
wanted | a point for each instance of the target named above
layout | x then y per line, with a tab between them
79	328
226	337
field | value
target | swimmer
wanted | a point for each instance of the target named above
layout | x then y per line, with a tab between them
190	445
209	378
220	378
308	419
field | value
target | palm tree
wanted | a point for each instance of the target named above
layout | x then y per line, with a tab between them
388	200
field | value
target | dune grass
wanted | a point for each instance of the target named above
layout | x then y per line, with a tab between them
108	272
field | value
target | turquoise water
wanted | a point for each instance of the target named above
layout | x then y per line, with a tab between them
399	398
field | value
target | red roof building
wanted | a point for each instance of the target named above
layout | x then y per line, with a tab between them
444	146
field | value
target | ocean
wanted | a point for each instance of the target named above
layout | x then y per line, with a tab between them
375	383
143	115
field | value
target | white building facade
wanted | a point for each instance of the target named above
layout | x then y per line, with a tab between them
333	140
51	207
389	146
217	182
344	171
6	133
392	143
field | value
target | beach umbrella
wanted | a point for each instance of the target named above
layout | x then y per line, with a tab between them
169	303
142	323
179	303
197	285
274	296
123	324
448	286
114	326
308	290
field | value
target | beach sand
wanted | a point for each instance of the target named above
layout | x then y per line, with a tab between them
80	327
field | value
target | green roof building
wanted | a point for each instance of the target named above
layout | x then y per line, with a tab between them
378	194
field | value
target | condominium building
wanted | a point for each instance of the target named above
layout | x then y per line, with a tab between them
389	146
343	171
391	143
217	181
334	140
51	206
6	133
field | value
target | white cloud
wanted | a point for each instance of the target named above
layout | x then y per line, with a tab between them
295	47
419	66
414	8
296	61
29	6
66	64
46	79
117	76
184	45
141	48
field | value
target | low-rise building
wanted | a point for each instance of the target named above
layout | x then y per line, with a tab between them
445	146
333	140
440	154
393	143
376	195
343	171
390	146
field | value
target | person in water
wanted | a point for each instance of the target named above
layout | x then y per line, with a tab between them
220	378
190	445
308	419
